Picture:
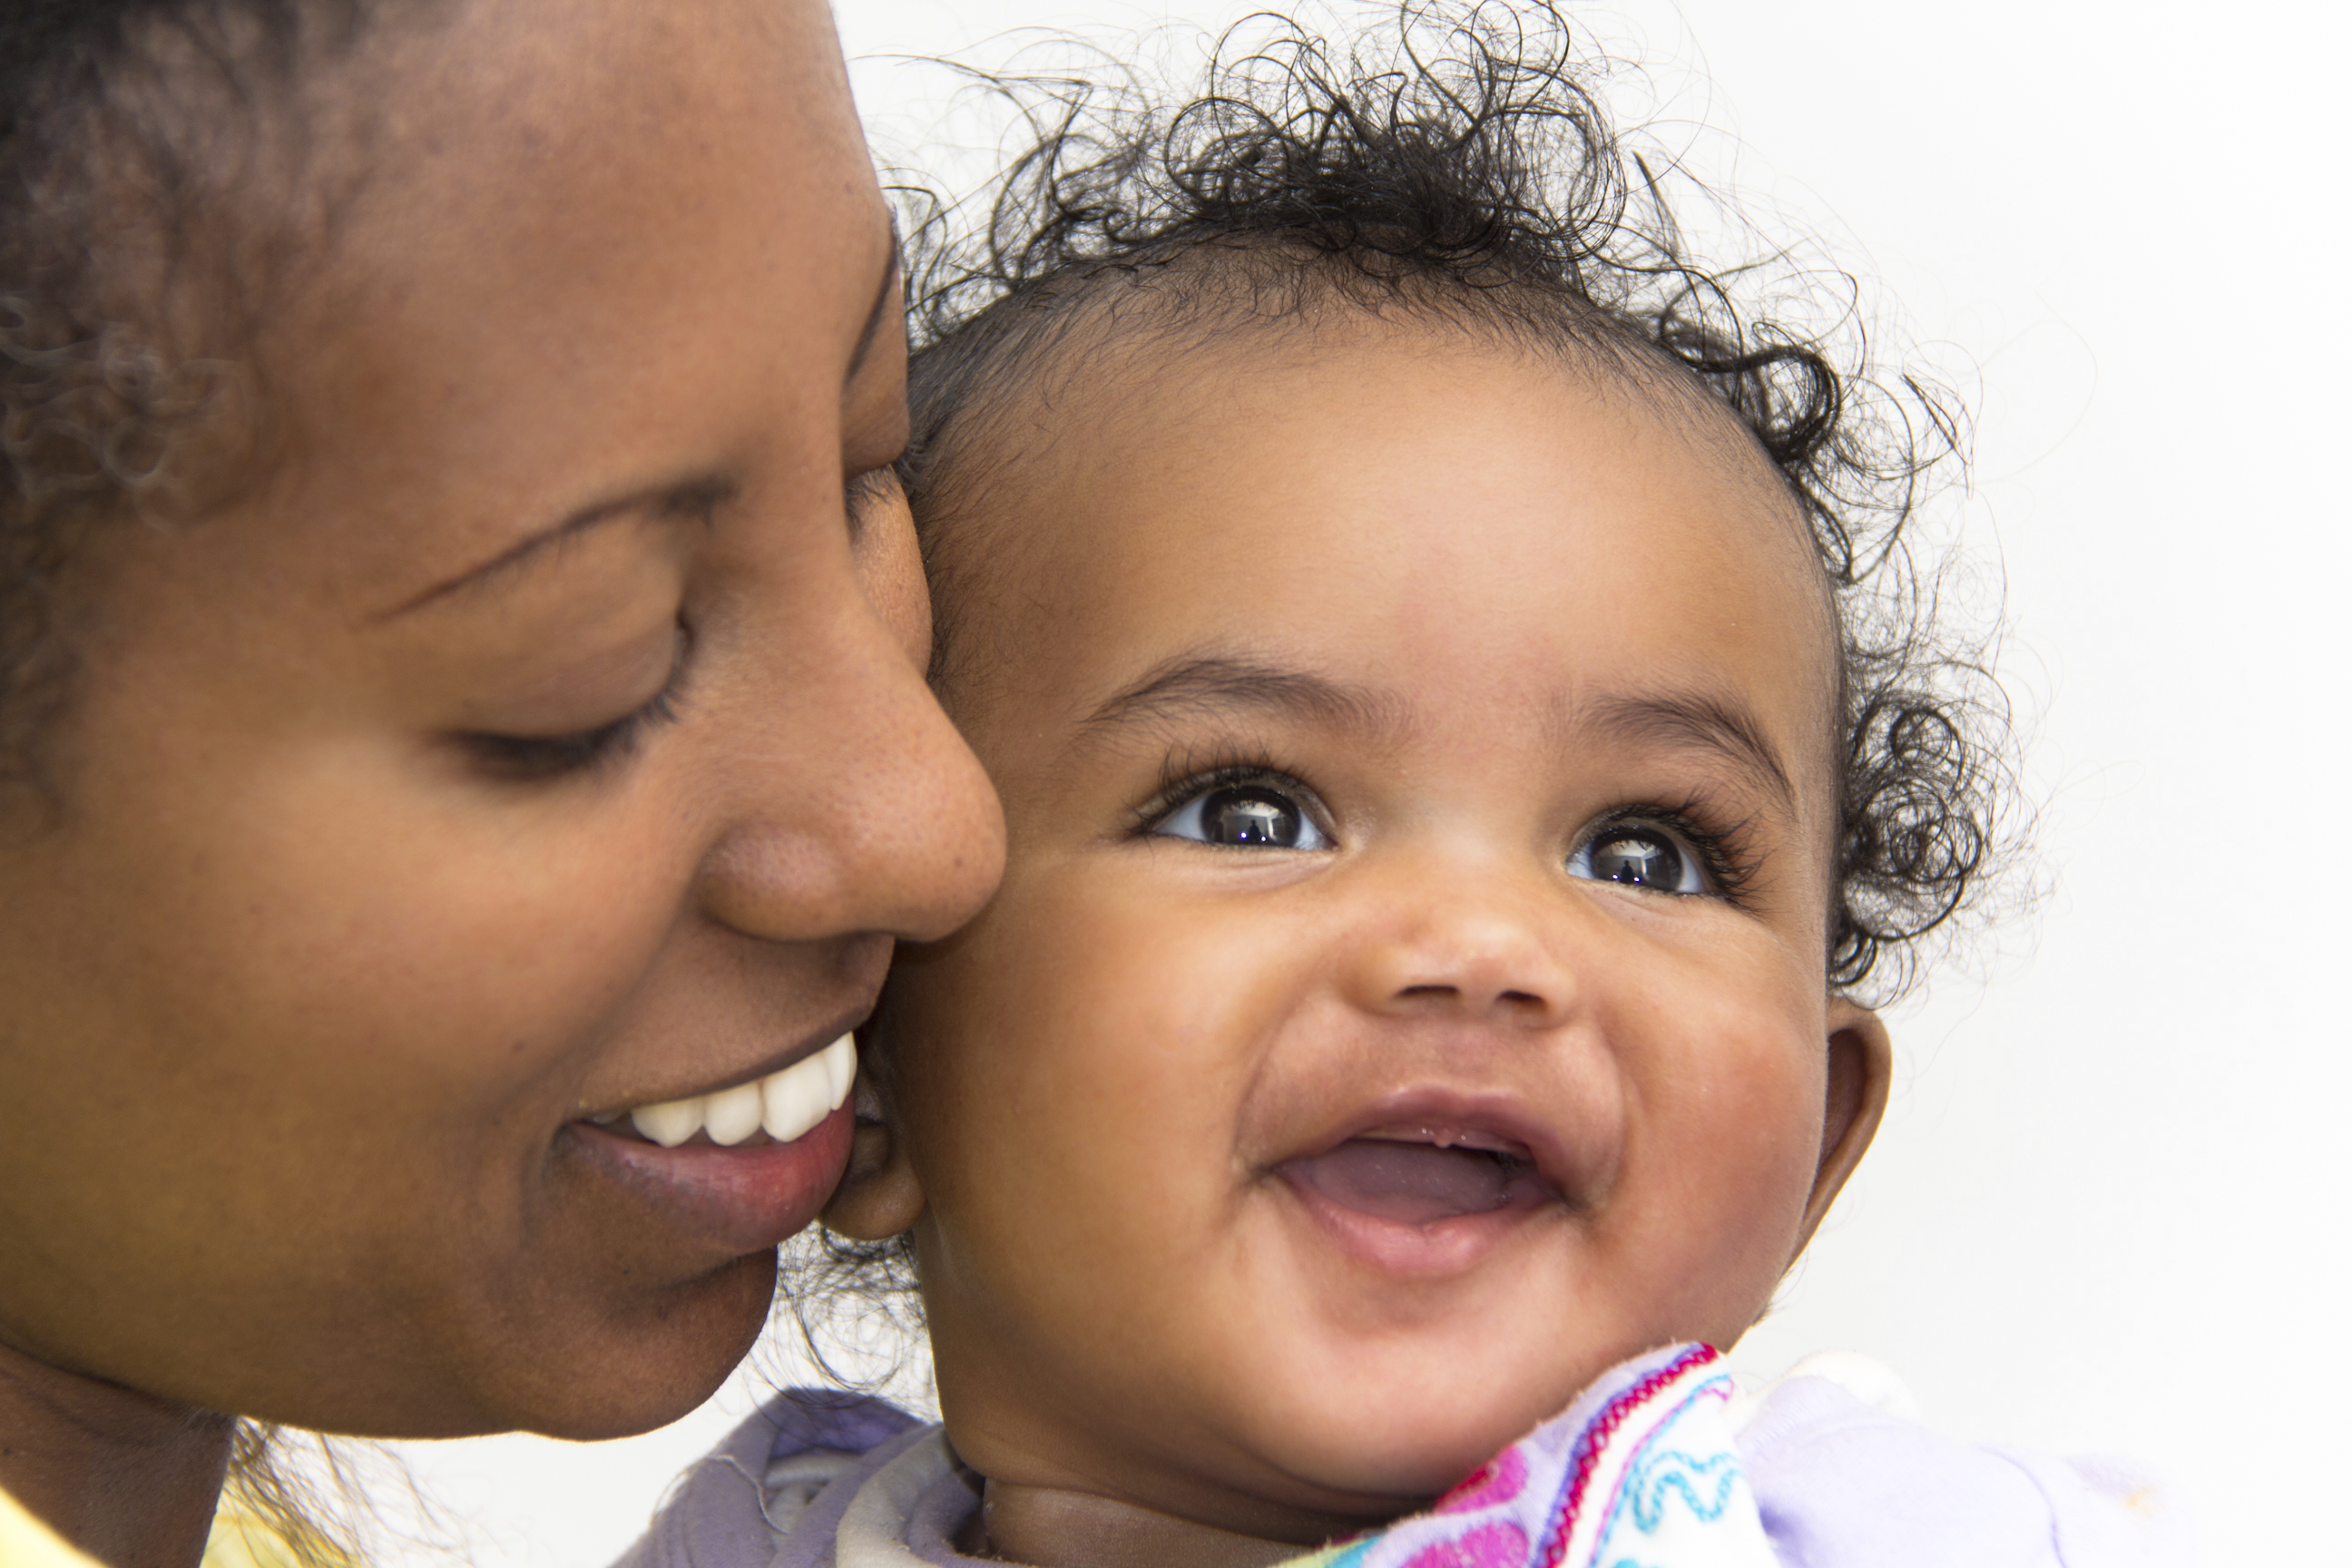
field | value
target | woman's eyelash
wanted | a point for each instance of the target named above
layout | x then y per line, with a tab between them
862	490
534	759
530	759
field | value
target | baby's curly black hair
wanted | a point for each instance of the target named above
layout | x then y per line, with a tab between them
1457	164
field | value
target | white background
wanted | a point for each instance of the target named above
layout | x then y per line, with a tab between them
2107	1211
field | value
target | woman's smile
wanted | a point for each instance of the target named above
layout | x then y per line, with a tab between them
733	1201
739	1167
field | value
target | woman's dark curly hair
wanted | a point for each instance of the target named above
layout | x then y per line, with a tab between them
152	157
1457	163
130	132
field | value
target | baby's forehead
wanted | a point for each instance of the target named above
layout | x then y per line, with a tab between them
1403	503
1147	425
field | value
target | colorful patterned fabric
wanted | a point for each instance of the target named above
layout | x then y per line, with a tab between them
1638	1473
1667	1461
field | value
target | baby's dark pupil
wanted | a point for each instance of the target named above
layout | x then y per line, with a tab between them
1247	813
1640	859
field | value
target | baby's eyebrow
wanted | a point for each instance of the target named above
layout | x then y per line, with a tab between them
1711	723
1194	685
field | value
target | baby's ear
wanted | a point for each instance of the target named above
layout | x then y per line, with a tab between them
1861	1067
878	1196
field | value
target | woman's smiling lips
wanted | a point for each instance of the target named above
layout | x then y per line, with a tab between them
1427	1184
741	1168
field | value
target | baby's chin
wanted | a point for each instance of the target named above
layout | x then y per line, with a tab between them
1375	1452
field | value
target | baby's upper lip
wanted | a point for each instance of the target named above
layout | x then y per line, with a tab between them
805	1046
1496	1120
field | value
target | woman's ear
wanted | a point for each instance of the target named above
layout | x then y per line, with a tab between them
878	1196
1861	1068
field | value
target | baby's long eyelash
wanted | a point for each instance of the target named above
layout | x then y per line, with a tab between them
1184	775
1722	851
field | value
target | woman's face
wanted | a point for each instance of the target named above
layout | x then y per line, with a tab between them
545	738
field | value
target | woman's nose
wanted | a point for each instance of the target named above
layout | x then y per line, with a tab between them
1484	949
861	808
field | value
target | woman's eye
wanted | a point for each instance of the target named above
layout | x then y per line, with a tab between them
530	759
1640	855
862	493
1245	817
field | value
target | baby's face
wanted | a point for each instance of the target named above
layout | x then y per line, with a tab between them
1406	997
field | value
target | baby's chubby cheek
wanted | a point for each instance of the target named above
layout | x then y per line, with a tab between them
1104	1086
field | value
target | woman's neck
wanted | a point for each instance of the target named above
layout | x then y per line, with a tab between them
129	1478
1051	1527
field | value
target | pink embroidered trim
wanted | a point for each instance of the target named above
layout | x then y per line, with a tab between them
1595	1437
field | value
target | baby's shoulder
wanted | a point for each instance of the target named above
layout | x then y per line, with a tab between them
773	1492
1844	1472
1671	1460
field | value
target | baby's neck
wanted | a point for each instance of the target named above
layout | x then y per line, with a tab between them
1053	1527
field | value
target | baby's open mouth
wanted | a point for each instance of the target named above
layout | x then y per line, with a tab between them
1422	1175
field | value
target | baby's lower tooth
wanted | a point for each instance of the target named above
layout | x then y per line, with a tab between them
670	1123
732	1115
793	1100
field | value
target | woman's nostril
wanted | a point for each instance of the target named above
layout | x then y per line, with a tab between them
1443	991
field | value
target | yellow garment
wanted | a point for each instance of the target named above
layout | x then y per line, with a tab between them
238	1541
241	1540
27	1542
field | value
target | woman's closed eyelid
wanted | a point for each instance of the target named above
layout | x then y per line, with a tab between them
532	757
862	492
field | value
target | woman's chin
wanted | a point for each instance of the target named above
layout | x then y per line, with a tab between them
650	1374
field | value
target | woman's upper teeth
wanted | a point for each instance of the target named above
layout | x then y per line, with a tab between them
786	1102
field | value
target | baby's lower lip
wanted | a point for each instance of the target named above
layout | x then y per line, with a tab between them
738	1200
1416	1208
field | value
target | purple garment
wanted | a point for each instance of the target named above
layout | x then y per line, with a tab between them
716	1519
1841	1484
1837	1482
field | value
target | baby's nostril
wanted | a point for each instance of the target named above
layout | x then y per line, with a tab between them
1524	998
1430	991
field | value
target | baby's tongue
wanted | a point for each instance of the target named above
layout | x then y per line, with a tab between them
1412	1183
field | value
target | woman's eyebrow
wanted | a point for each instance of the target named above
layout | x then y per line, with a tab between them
699	496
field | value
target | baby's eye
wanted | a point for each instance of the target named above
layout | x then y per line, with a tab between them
1640	855
1245	817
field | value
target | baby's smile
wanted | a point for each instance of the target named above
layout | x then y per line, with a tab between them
1419	1199
1425	1181
1407	996
1418	1178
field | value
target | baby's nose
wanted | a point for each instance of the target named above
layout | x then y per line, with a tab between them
1489	957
